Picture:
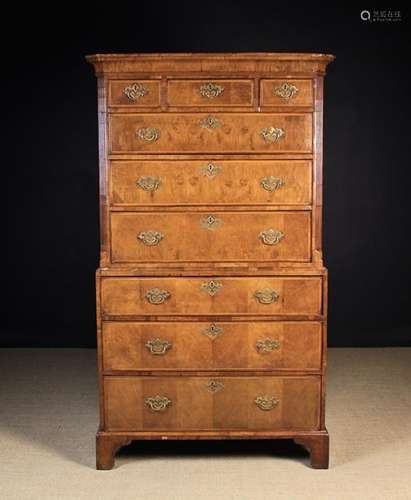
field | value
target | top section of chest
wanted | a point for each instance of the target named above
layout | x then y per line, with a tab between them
206	82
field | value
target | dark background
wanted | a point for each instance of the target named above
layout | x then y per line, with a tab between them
49	154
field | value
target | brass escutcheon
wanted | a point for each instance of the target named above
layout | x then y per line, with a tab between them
157	403
211	90
267	345
150	238
211	287
156	296
266	403
213	331
210	122
271	236
210	170
210	222
285	91
272	134
148	134
214	386
266	295
271	183
135	91
149	183
158	347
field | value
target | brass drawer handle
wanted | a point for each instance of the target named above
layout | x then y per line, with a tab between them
158	403
149	183
271	183
271	236
266	403
272	134
156	296
150	238
212	331
135	91
210	222
266	296
211	287
210	170
210	122
211	90
285	91
267	345
148	134
214	386
158	347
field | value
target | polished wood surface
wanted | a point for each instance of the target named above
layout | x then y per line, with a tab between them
194	406
118	89
249	63
127	296
218	346
218	237
301	95
211	290
233	133
212	182
191	93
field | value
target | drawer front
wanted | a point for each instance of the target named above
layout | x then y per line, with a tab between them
218	346
200	403
213	182
130	93
216	237
214	93
286	93
216	132
211	296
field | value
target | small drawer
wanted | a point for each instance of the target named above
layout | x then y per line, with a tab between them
212	182
212	93
290	345
210	237
130	93
215	132
262	296
211	403
286	93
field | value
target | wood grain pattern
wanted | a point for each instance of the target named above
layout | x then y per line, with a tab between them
235	237
225	182
211	269
293	321
126	296
193	346
182	132
302	97
194	406
246	63
106	447
117	93
187	93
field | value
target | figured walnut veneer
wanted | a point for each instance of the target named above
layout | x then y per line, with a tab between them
211	291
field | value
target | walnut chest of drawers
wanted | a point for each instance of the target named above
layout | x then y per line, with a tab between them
211	291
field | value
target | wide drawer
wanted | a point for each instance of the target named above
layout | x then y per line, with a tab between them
200	403
286	93
217	132
215	237
210	93
290	345
218	296
213	182
130	93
